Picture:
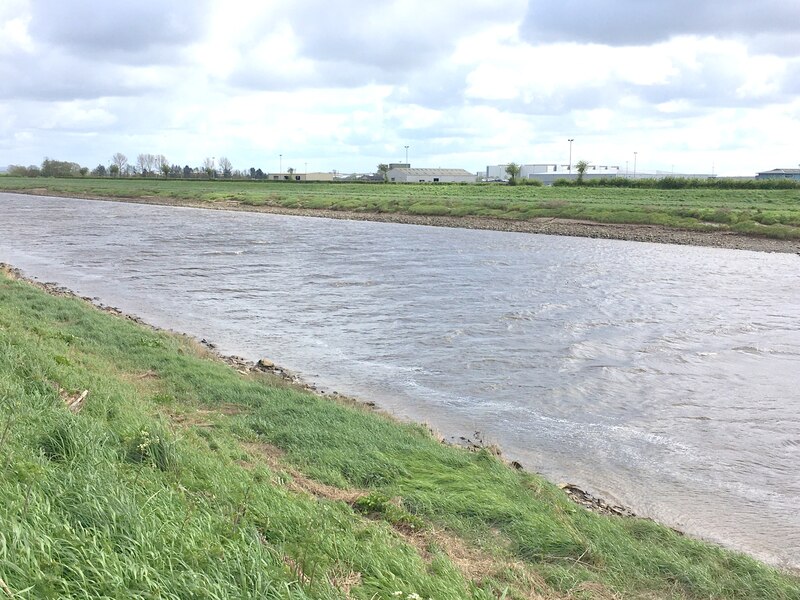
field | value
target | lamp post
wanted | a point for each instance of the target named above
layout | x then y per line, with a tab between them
570	140
406	147
635	155
280	163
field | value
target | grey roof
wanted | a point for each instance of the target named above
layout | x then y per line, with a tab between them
444	172
782	172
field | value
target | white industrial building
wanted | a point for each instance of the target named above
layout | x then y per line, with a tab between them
409	175
548	173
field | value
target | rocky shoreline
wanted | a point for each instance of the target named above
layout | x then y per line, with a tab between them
549	226
265	366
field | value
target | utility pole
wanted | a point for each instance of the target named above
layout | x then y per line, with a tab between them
570	140
635	156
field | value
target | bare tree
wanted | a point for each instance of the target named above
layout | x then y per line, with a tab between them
163	165
148	163
208	167
120	161
225	166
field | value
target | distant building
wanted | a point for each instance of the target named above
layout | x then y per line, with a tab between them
409	175
779	174
547	173
300	176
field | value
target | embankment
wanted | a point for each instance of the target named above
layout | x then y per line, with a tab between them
135	463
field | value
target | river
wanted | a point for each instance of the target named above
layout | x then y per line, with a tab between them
664	378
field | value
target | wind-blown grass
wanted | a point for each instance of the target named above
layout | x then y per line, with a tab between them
760	212
181	478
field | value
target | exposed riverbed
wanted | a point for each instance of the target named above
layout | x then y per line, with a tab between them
661	377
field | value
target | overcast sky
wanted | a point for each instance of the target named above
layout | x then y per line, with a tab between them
343	85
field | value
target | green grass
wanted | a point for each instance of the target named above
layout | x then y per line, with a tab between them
181	478
773	213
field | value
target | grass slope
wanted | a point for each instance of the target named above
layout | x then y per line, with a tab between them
773	213
182	478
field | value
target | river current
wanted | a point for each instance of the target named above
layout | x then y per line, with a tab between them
665	378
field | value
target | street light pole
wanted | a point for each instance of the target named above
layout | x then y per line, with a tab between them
280	163
406	154
635	156
570	140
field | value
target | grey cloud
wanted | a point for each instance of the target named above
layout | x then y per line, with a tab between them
349	44
393	36
362	37
640	22
434	85
145	31
52	76
438	87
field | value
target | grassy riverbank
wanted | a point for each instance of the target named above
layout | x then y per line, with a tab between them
178	477
767	213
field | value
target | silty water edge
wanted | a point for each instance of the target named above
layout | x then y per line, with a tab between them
660	377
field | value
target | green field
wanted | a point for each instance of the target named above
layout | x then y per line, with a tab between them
773	213
181	478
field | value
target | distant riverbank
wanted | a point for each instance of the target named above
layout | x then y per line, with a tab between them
549	226
762	221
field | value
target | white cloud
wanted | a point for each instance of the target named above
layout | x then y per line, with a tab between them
14	37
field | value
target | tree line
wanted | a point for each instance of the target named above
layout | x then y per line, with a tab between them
145	165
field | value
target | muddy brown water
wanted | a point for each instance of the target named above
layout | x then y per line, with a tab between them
664	378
